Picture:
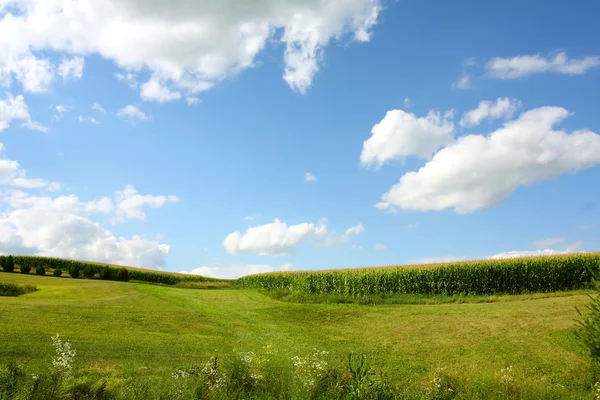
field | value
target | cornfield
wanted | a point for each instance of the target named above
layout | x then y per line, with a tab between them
488	277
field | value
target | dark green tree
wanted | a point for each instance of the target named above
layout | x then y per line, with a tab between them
40	270
57	272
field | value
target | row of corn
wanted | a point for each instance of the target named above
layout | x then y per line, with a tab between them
488	277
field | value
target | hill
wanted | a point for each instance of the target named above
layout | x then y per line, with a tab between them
138	334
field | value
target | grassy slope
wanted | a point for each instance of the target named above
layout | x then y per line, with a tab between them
128	328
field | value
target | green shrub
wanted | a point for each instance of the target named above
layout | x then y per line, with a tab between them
123	275
25	269
9	264
57	272
74	271
12	289
40	270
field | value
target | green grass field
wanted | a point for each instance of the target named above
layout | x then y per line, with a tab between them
123	329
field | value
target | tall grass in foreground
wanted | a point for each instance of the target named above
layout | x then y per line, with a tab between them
488	277
261	377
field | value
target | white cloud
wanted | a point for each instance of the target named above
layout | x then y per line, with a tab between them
355	230
477	171
98	107
535	253
407	103
331	240
61	226
130	204
190	44
130	79
35	74
400	134
251	217
92	120
192	100
437	260
380	247
549	242
14	108
60	109
34	126
274	239
153	90
132	113
523	65
71	68
501	108
308	177
236	270
464	82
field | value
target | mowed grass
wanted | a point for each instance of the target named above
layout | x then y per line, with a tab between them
124	329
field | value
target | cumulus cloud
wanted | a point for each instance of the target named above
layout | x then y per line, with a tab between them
400	134
236	270
490	110
407	103
274	239
464	82
437	260
188	46
331	240
308	177
132	113
62	226
36	75
11	174
478	171
523	65
130	204
129	78
15	108
153	90
535	253
71	68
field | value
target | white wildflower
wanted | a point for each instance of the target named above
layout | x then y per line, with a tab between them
63	360
507	375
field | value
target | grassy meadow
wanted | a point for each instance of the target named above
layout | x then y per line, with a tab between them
127	331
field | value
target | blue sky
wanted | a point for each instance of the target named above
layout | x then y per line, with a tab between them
207	121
